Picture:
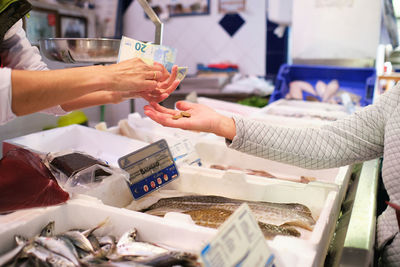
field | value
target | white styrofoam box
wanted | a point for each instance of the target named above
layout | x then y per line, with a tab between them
308	250
308	105
85	213
108	147
213	152
283	111
99	144
227	108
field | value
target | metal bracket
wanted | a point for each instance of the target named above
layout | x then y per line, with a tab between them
154	18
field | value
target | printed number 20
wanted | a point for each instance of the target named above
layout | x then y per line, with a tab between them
140	47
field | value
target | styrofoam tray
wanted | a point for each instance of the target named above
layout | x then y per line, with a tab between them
308	250
108	147
214	152
85	213
99	144
278	113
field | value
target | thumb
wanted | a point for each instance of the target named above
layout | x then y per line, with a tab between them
184	105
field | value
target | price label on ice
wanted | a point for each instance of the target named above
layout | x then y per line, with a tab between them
149	168
239	242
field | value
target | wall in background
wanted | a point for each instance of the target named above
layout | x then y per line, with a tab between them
325	29
201	39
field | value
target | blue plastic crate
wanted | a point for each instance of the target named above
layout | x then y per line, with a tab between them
360	81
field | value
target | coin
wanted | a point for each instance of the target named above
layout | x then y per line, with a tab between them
186	114
177	116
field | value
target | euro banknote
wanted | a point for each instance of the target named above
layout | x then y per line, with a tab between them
150	53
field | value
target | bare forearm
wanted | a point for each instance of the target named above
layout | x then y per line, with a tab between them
92	99
33	91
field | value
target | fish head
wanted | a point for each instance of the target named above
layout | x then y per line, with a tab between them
48	230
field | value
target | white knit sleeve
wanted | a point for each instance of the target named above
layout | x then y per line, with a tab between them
356	138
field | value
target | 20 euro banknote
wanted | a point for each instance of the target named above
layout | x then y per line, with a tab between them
150	53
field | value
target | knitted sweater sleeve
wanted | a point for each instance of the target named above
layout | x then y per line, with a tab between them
356	138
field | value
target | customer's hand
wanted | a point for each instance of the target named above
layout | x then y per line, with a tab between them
202	118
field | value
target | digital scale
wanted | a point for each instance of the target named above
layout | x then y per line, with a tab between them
149	168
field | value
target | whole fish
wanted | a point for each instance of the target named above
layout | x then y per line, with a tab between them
214	218
280	214
61	246
128	246
171	258
13	254
78	239
45	256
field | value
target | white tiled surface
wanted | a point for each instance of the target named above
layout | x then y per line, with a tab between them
200	39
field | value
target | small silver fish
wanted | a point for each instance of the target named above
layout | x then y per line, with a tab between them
46	256
171	258
63	247
48	230
13	254
128	246
79	240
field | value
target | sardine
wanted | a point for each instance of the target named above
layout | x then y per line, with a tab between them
45	256
63	247
12	254
128	246
79	240
48	230
280	214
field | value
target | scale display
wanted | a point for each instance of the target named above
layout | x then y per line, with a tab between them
149	168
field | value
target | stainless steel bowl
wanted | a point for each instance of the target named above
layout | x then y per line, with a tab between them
81	50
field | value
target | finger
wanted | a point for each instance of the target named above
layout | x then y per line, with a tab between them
164	119
165	74
153	75
157	107
145	85
172	77
184	105
156	99
172	88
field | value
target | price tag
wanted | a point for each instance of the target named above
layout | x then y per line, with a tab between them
239	242
149	168
184	153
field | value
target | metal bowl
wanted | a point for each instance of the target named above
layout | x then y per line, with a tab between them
81	50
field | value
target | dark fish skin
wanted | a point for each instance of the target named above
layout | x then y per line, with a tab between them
281	214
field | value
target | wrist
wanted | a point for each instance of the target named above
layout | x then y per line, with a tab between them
226	128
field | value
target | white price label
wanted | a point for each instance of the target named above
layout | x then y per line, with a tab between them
239	242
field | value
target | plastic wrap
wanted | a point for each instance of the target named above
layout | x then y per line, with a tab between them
25	182
78	172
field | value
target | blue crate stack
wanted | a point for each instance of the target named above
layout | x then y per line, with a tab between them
360	81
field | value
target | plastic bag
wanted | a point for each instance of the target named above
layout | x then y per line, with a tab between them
25	182
78	172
